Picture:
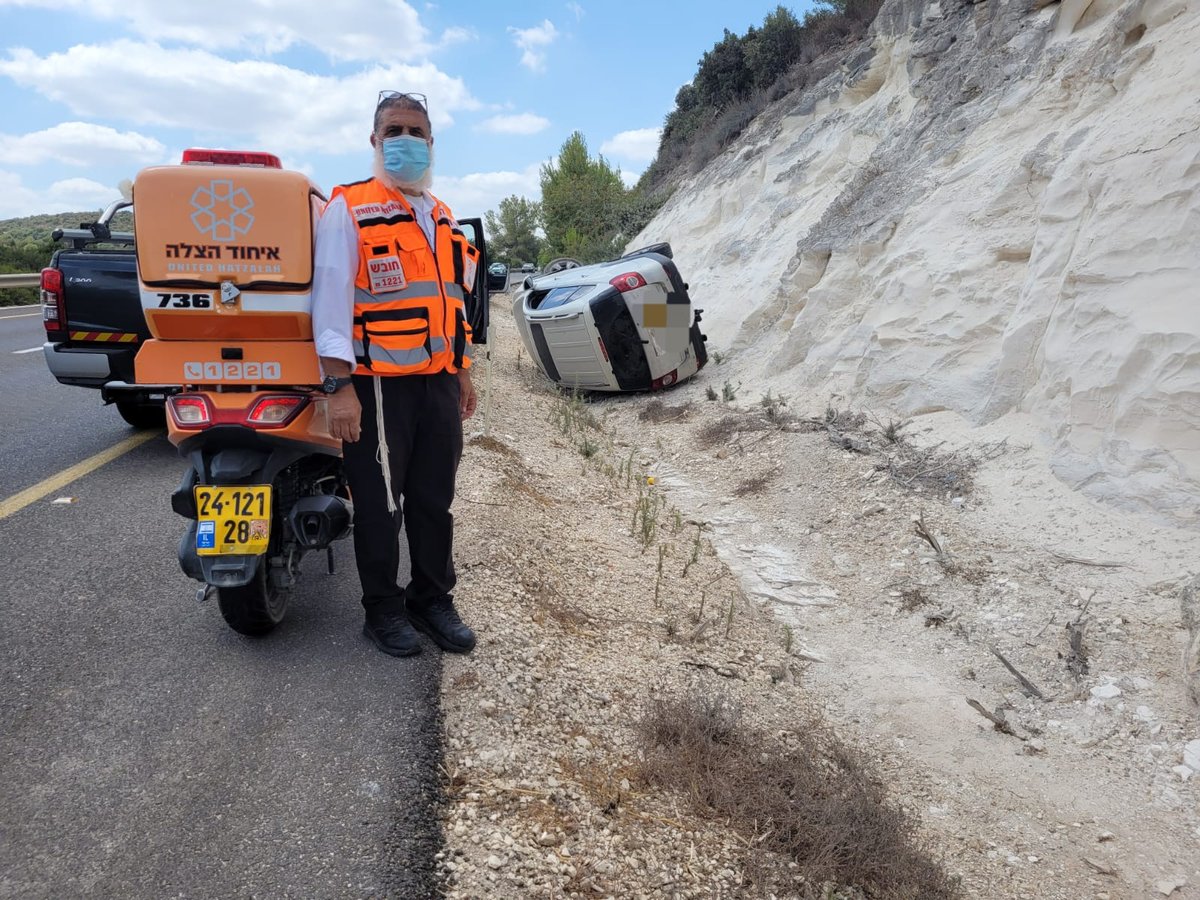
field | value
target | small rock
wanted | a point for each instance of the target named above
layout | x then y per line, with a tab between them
583	743
487	707
1106	691
1106	836
1191	755
546	839
1183	772
494	862
1168	886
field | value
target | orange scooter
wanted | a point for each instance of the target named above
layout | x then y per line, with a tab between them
224	246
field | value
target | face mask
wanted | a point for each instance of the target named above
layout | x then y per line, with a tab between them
406	158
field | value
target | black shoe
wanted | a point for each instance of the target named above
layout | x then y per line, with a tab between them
439	619
392	633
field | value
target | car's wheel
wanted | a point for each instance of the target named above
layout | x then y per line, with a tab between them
561	264
255	608
142	415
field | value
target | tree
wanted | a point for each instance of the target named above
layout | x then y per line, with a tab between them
512	233
584	203
776	46
723	76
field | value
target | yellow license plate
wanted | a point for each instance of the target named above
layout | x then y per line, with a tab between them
232	519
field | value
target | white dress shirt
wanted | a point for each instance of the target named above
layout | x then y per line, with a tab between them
335	266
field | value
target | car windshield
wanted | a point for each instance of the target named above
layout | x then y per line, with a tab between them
556	297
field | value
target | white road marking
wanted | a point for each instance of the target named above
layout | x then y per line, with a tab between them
22	316
30	350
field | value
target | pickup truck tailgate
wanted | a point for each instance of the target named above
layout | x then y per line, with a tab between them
100	292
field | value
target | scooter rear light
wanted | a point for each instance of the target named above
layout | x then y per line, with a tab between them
189	410
275	410
628	282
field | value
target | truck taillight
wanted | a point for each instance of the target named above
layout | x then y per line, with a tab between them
54	310
198	157
275	410
628	282
189	410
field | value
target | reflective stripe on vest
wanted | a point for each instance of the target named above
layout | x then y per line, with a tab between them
421	328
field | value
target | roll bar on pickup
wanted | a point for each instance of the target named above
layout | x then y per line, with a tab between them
97	232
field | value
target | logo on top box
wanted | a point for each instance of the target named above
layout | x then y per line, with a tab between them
232	371
221	211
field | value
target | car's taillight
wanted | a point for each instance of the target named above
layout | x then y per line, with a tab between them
190	410
603	349
628	282
54	310
275	410
198	157
665	381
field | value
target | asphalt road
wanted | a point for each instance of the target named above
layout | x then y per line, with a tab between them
146	750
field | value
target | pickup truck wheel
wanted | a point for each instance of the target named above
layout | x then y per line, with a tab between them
255	608
142	415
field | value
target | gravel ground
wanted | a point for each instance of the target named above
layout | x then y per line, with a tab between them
793	580
578	635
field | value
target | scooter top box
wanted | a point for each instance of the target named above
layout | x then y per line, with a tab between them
225	248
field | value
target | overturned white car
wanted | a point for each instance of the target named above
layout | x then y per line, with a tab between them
624	325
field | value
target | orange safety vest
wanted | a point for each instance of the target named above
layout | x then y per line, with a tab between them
409	311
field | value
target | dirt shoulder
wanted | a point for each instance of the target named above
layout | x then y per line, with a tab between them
781	572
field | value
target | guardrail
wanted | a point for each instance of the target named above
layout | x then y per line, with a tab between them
32	279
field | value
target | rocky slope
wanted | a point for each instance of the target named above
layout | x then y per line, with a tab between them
992	210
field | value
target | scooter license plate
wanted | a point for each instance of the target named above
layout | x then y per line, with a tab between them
232	520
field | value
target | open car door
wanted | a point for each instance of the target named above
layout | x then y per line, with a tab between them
477	297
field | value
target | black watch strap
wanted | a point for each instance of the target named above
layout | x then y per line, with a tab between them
332	383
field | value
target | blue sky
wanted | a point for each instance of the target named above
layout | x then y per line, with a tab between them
93	90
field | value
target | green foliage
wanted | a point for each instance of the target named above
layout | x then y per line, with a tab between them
26	246
771	50
741	74
512	236
586	209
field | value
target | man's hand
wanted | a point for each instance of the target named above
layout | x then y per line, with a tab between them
467	400
345	414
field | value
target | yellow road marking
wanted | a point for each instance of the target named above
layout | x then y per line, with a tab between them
32	494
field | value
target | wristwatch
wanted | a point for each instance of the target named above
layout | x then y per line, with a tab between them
332	384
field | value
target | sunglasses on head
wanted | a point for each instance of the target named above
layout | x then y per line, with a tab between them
384	96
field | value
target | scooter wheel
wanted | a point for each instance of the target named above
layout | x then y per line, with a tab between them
253	609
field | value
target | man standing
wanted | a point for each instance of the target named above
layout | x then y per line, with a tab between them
390	275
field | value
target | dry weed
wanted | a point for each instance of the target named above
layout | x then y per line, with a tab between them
757	484
486	442
813	803
658	412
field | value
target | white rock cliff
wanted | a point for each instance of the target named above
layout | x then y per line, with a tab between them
993	209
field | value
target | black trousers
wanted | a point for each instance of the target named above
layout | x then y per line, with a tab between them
425	440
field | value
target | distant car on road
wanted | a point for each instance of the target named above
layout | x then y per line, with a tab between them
497	276
528	267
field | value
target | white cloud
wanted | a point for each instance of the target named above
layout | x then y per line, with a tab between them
475	194
639	145
68	195
532	43
271	106
576	9
524	123
80	144
456	35
348	30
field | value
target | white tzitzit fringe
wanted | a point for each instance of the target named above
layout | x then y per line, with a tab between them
381	455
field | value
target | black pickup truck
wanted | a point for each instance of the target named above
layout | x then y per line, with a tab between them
93	317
